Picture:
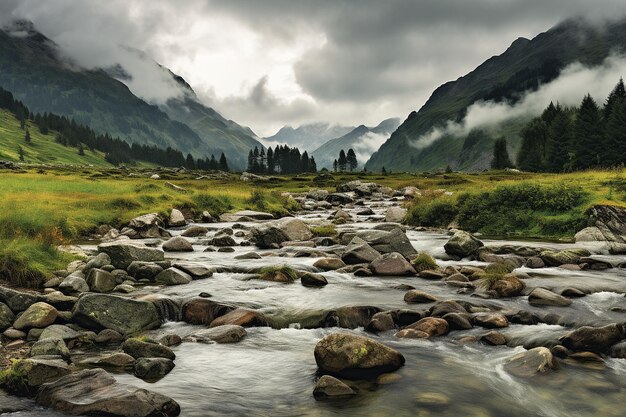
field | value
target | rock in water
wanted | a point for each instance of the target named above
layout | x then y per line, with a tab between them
532	362
359	251
173	276
28	374
176	219
392	264
350	355
543	297
126	316
594	339
227	333
140	349
177	244
101	281
330	387
462	244
389	242
122	253
395	214
95	392
153	369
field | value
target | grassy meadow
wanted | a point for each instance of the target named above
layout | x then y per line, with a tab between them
42	208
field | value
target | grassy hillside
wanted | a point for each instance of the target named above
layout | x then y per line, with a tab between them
524	66
43	149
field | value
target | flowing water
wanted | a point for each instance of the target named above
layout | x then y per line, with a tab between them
272	372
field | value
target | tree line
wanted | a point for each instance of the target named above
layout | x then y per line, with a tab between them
117	151
280	160
569	139
345	162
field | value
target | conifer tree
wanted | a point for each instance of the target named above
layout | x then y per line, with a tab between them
223	165
20	152
270	161
335	165
81	151
615	135
617	95
531	153
27	137
587	134
501	159
342	161
351	160
558	142
189	162
213	163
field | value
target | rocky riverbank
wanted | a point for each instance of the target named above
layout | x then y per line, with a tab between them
345	267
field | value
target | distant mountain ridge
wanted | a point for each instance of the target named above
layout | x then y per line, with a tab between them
308	136
32	69
524	66
362	139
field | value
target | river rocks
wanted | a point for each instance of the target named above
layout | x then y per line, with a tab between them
274	233
381	322
330	387
95	392
197	271
117	360
543	297
26	375
350	355
50	346
589	234
619	350
567	256
122	253
98	261
412	334
176	219
101	281
17	300
339	198
432	326
177	244
145	227
458	321
493	338
395	214
38	315
152	369
389	242
74	284
109	336
594	339
359	251
254	215
195	231
126	316
172	276
139	349
462	244
241	317
431	274
532	362
417	296
391	264
610	222
144	270
329	264
535	262
313	280
203	311
508	286
490	320
444	307
6	317
222	240
59	331
227	333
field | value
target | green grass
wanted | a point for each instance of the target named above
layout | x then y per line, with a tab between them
266	273
14	378
493	273
329	230
423	262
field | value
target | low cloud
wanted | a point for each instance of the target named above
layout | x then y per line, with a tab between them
574	82
367	145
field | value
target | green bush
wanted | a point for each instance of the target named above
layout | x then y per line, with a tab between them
258	200
493	273
214	204
432	213
424	261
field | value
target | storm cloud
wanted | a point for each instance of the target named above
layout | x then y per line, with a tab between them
275	62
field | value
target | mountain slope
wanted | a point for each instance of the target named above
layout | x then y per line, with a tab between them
524	66
30	67
363	140
307	137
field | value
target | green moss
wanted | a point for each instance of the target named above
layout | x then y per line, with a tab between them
324	230
268	272
15	378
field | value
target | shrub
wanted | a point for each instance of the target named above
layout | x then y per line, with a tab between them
493	273
268	272
324	230
214	204
258	200
424	261
432	213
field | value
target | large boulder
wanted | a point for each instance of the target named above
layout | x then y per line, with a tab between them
38	315
144	270
359	251
177	244
508	286
462	244
568	256
101	281
392	264
350	355
195	231
74	283
126	316
432	326
274	233
350	317
610	222
123	253
95	392
17	300
395	214
389	242
531	362
145	227
329	264
176	219
594	339
543	297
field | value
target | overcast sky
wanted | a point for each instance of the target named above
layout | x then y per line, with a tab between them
268	63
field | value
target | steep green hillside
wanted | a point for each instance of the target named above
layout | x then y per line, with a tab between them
31	69
358	139
42	148
522	67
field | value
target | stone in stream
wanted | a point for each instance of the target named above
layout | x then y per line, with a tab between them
339	198
97	262
227	333
100	281
444	307
144	270
74	284
350	317
109	336
392	264
412	334
26	375
309	279
567	256
152	369
119	360
203	311
241	317
543	297
222	240
395	214
508	286
417	296
145	227
535	262
359	251
329	264
458	321
172	276
255	215
176	219
273	234
431	274
462	244
490	320
50	347
594	339
195	270
330	387
139	349
6	317
381	322
365	212
95	392
60	301
122	253
531	362
195	231
353	356
432	326
494	338
389	242
177	244
126	316
618	350
38	315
